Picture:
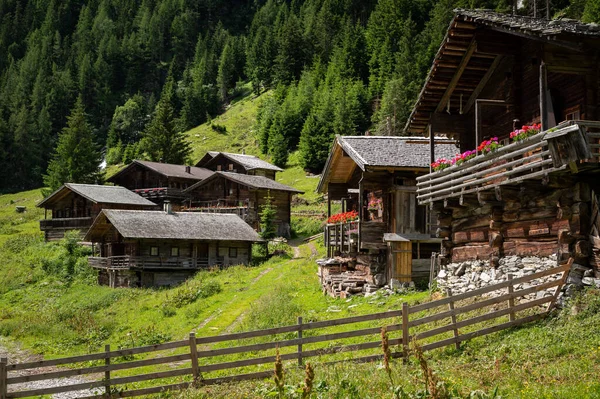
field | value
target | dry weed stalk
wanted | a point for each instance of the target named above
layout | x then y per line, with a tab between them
278	377
308	381
387	354
432	383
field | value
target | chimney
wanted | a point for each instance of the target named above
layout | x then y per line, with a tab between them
188	169
168	208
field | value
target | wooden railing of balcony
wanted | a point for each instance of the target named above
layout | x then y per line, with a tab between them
149	262
160	192
66	223
512	164
342	237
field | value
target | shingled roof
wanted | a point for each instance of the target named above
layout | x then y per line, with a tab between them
382	152
394	151
99	194
529	25
168	170
249	162
176	226
247	180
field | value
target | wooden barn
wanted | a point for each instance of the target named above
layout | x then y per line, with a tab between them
238	163
156	248
159	182
74	207
244	195
532	87
375	176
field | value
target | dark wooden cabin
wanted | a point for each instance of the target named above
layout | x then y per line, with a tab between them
159	182
243	195
74	207
376	176
494	73
156	248
238	163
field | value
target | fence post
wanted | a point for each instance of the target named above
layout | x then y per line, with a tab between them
453	318
107	372
300	343
194	356
511	300
405	337
3	378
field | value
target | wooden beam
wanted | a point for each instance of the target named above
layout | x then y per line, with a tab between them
461	68
482	83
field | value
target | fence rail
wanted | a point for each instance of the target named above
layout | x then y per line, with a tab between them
148	262
201	357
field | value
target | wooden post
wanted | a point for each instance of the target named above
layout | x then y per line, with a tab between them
194	356
3	378
300	344
453	319
543	98
107	392
405	336
342	237
431	147
511	300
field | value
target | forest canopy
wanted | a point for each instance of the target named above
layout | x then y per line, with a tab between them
146	68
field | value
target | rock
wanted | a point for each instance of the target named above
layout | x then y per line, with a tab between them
442	274
485	277
588	273
461	270
379	279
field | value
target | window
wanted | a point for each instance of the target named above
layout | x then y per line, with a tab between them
218	168
233	252
153	251
174	251
230	166
572	114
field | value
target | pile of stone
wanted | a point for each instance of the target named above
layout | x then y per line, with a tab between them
471	275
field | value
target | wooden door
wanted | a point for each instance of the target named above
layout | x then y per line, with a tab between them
403	260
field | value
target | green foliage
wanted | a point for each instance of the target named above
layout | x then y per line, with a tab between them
191	291
276	308
77	158
267	215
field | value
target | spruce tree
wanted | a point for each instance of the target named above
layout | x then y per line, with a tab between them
267	215
77	157
163	141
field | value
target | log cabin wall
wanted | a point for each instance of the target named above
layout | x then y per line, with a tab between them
528	220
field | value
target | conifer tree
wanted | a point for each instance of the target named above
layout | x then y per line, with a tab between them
77	157
162	140
226	74
267	215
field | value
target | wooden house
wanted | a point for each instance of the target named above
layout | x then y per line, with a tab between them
238	163
155	248
74	207
535	195
159	182
375	176
244	195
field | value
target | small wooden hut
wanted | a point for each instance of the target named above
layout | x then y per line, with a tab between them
238	163
74	207
375	176
159	182
535	194
155	248
244	195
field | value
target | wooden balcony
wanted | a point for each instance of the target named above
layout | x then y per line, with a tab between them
82	223
150	262
573	145
160	193
239	208
342	237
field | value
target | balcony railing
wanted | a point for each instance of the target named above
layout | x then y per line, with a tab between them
342	237
529	159
160	192
66	223
150	262
239	208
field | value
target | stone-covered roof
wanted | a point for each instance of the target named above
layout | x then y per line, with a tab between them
249	162
176	225
100	194
168	170
394	151
529	25
247	180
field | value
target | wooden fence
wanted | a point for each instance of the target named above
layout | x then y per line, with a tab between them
238	356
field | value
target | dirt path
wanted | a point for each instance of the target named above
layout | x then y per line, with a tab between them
17	355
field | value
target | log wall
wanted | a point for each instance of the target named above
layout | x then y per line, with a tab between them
528	220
